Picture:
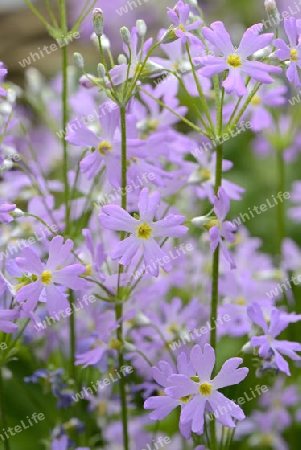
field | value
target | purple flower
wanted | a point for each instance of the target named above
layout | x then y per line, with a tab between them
106	149
199	393
143	231
3	73
5	209
179	15
236	60
6	317
267	341
43	278
223	229
291	53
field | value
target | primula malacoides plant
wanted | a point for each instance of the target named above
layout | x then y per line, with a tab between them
146	302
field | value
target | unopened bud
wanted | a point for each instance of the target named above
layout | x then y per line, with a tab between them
141	28
79	60
86	81
272	11
142	319
129	347
125	35
206	222
17	213
101	71
122	59
98	21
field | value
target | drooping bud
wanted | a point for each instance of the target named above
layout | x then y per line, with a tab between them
125	35
17	213
206	222
141	28
79	60
98	21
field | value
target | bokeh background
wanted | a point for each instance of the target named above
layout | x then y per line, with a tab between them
22	33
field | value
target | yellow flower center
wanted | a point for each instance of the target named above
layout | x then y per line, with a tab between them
205	388
186	399
294	54
267	439
89	270
241	301
144	231
173	328
104	147
205	174
46	277
256	100
234	61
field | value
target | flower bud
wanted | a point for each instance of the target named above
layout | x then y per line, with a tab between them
141	28
101	71
129	347
17	213
272	11
122	59
98	21
79	60
86	82
125	35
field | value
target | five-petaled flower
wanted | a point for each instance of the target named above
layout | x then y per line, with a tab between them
195	391
40	278
236	60
143	231
291	53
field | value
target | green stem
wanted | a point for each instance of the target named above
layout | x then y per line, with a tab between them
72	338
183	119
280	206
2	407
119	306
215	274
200	91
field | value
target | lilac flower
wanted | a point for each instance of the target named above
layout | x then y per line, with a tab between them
3	73
258	111
198	392
223	229
93	348
106	149
267	341
6	317
236	60
5	210
179	15
291	53
43	278
143	231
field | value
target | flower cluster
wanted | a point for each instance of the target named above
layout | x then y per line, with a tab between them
126	189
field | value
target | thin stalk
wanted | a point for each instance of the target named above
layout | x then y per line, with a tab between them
199	88
215	276
183	119
280	205
2	407
119	306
